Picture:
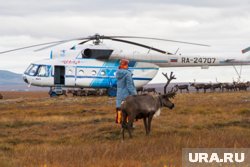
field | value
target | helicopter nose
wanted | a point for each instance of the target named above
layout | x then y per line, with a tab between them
25	79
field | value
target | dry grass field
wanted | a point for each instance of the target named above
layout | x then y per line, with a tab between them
38	131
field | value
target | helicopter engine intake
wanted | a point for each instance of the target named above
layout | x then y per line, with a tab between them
96	53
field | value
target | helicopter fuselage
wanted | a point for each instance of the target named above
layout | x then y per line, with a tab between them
95	66
85	73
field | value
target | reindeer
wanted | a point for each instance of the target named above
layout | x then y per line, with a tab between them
228	87
241	86
197	86
207	86
182	87
201	86
1	96
145	107
248	83
216	86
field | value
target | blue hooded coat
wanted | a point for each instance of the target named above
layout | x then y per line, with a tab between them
125	86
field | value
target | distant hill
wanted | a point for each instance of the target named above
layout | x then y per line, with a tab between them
10	78
10	81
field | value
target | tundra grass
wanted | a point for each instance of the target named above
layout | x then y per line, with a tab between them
39	131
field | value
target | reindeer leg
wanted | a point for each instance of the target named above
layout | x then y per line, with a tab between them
145	124
123	131
130	123
124	124
149	123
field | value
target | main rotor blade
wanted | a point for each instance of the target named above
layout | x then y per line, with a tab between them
46	47
141	45
26	47
54	43
65	41
97	37
159	39
83	42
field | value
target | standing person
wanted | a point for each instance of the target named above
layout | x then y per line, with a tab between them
125	87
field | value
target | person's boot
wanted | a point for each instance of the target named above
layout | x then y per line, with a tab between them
118	119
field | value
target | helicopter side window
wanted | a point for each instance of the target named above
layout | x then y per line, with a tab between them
81	72
43	71
93	72
103	72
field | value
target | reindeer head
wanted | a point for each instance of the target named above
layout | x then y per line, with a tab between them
165	99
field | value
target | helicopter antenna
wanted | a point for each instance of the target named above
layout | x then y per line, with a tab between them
177	51
149	51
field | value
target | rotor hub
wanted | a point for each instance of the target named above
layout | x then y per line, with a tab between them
96	39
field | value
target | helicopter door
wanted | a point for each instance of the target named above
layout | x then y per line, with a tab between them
59	75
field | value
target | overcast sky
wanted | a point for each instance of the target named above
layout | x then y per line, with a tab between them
223	24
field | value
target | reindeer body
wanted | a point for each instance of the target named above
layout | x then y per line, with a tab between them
207	86
143	107
182	87
241	86
216	86
228	87
197	86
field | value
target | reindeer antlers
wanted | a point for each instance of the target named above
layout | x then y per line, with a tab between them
172	93
171	77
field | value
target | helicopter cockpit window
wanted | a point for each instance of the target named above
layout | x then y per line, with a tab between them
38	70
33	70
28	69
43	71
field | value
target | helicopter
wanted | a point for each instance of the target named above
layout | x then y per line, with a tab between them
94	65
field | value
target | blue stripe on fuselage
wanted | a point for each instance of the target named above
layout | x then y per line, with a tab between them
110	80
105	77
101	82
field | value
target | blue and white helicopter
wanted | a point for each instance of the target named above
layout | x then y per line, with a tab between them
93	65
